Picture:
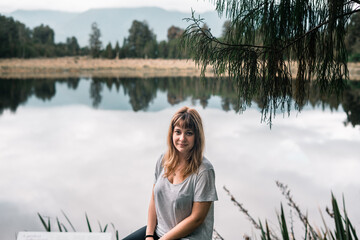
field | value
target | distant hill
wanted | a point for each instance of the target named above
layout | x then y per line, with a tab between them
114	23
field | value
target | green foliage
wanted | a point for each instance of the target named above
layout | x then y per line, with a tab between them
88	223
262	40
174	33
108	52
16	40
117	50
43	35
140	41
151	49
172	48
163	50
62	227
95	43
344	230
47	226
283	227
353	38
355	57
72	46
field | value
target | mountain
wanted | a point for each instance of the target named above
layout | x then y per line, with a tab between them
114	23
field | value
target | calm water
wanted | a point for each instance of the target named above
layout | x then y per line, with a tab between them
90	145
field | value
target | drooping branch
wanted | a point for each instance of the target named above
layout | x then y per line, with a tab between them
316	28
211	37
264	38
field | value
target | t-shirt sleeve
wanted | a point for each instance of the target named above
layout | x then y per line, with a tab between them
205	189
158	168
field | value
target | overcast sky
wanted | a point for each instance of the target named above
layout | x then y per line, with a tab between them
83	5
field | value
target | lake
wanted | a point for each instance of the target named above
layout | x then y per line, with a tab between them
90	145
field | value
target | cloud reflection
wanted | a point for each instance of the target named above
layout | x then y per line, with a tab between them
79	159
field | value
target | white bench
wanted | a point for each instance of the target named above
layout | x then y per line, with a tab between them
62	236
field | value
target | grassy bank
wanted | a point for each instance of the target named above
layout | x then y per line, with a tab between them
89	67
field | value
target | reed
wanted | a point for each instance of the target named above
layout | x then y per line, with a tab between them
62	228
344	230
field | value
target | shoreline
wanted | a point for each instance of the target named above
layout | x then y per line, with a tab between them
89	67
64	67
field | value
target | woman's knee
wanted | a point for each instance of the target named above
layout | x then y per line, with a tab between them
137	235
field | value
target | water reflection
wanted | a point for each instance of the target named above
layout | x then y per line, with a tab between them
143	92
351	104
75	144
101	161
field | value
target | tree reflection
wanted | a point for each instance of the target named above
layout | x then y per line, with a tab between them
351	104
96	87
44	89
14	92
142	92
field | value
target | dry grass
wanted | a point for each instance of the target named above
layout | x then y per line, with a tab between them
354	71
88	67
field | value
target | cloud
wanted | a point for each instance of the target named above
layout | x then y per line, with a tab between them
80	6
79	159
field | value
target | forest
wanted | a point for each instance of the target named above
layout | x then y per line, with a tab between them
19	41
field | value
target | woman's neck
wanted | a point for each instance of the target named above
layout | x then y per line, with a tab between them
182	159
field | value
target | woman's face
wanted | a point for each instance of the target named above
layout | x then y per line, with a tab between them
183	139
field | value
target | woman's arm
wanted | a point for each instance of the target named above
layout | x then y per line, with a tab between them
189	224
151	221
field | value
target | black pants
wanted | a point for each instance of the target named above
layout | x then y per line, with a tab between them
139	235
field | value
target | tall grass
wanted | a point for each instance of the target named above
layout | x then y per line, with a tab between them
344	230
62	228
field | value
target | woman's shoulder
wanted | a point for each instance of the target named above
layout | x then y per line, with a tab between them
160	158
205	165
159	165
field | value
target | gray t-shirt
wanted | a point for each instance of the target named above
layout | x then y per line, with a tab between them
173	202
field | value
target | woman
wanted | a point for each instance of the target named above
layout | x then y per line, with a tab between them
181	205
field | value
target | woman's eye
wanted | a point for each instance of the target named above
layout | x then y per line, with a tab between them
177	132
189	133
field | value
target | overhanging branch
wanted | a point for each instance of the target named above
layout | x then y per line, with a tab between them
315	28
216	40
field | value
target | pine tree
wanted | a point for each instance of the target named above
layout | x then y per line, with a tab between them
94	41
117	50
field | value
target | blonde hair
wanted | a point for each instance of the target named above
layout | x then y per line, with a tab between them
185	117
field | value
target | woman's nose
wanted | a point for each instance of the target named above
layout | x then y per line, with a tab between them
182	136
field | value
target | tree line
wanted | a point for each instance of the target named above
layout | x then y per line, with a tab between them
17	40
140	43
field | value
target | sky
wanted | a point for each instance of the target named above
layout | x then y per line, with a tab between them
7	6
